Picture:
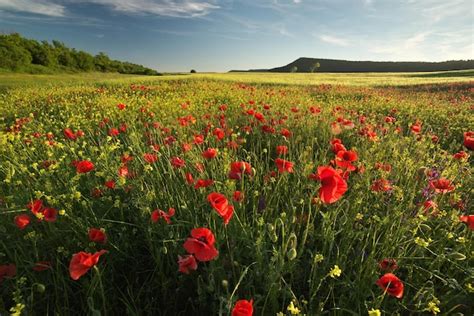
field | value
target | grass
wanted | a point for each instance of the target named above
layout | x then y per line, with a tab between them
284	243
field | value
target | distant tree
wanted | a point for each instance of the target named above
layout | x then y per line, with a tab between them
84	61
294	69
314	67
193	71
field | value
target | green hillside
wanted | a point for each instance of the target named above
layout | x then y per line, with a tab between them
305	64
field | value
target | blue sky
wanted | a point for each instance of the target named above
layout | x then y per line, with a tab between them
220	35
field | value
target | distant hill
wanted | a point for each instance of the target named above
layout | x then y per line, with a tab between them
305	64
19	54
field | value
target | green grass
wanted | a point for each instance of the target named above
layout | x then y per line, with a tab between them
283	241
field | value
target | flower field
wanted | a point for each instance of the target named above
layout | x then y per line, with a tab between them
225	197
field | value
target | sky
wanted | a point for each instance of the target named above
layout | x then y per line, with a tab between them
221	35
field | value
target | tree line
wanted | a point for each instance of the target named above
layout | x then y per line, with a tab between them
20	54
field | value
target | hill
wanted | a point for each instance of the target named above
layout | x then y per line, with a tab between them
305	64
19	54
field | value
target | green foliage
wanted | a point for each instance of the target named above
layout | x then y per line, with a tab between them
25	55
282	248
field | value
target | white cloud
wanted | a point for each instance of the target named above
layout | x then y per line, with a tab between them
334	40
174	8
31	6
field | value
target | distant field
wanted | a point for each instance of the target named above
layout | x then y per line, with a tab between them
354	79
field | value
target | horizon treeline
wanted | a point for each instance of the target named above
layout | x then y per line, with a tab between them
20	54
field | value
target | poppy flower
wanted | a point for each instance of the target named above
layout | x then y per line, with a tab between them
7	271
21	221
210	153
203	183
238	196
187	263
110	184
238	168
345	158
50	214
123	171
388	264
416	128
462	155
36	207
113	132
121	106
281	150
337	145
285	132
218	133
469	220
42	266
442	185
82	262
381	185
284	165
469	140
201	244
84	166
68	133
391	284
333	186
243	308
221	205
97	236
157	214
150	158
198	139
177	162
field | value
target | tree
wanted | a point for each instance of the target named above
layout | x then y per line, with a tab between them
193	71
294	69
315	67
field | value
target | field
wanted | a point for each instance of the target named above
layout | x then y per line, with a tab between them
205	194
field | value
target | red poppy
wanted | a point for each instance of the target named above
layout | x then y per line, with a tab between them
238	196
21	221
281	150
84	166
81	263
110	184
344	159
469	140
150	158
114	132
121	106
416	128
210	153
201	244
284	165
123	171
388	264
337	145
187	263
36	207
285	132
391	284
243	308
238	168
186	147
462	155
97	235
7	271
468	219
203	183
157	214
42	266
333	186
50	214
218	133
221	205
68	133
177	162
442	185
381	185
198	139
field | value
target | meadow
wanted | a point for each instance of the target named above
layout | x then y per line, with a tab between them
237	194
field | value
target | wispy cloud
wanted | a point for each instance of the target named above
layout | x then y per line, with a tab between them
334	40
173	8
47	8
